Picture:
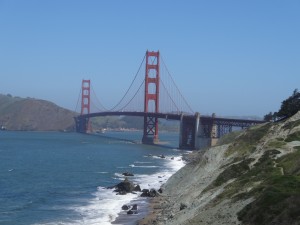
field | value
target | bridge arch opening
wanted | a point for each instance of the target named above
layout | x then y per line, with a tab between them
151	106
151	88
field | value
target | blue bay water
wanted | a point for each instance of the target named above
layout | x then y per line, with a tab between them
59	178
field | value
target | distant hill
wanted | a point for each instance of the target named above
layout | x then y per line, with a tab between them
28	114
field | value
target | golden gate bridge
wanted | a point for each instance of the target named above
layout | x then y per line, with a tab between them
154	95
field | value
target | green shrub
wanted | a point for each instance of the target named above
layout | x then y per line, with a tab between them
246	143
280	197
290	163
293	137
229	138
291	125
276	144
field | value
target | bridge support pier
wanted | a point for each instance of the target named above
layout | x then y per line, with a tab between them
214	137
188	132
150	134
82	124
207	133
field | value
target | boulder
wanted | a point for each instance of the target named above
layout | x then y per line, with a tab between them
134	207
153	193
182	206
149	193
127	174
124	187
137	188
130	212
125	207
145	193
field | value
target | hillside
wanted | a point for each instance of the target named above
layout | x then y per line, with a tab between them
252	178
34	115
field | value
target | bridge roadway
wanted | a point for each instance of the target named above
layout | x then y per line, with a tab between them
195	130
172	116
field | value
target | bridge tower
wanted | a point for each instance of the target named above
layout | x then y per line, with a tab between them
85	97
151	101
85	104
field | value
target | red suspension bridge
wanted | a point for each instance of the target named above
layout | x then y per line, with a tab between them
154	95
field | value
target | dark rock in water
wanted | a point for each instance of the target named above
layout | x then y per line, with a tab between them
153	193
160	190
134	207
162	156
111	187
120	192
149	193
130	212
127	174
124	187
137	188
172	158
145	193
125	207
182	206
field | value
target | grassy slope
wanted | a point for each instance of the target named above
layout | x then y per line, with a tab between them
253	176
273	181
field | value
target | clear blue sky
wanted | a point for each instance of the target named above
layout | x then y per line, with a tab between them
229	57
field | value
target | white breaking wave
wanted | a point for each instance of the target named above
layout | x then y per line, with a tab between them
132	165
105	206
138	162
102	209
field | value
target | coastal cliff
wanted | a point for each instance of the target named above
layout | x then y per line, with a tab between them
28	114
251	177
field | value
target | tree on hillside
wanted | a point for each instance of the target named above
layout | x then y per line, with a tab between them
271	117
268	117
290	106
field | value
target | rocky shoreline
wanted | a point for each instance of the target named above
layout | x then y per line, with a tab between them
176	205
166	203
137	209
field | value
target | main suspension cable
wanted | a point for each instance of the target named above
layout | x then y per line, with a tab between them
169	95
189	107
78	100
129	86
133	96
98	101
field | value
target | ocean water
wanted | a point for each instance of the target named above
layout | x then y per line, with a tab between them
55	178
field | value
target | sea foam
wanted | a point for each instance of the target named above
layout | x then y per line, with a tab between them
105	206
